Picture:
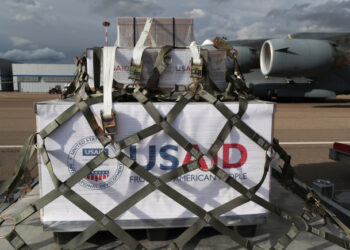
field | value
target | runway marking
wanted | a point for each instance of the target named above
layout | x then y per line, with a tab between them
281	143
313	142
10	146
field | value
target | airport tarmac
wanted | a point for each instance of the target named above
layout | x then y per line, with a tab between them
305	130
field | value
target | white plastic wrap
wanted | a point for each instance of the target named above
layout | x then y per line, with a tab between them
178	72
74	144
165	31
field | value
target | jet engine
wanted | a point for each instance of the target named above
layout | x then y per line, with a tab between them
297	57
247	58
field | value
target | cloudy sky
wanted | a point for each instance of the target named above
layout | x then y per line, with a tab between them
55	31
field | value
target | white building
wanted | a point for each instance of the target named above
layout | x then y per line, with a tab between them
41	77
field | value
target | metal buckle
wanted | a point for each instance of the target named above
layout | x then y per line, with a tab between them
220	43
135	71
196	70
109	124
300	223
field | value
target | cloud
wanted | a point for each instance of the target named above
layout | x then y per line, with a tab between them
295	9
113	8
195	13
21	42
219	1
38	55
321	16
260	30
330	15
28	10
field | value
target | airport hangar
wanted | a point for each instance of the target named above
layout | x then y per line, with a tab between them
41	77
28	77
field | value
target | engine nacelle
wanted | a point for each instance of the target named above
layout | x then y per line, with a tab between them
247	58
296	57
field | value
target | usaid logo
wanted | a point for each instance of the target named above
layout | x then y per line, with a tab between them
103	176
234	155
93	151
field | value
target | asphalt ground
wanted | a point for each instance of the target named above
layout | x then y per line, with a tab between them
17	122
305	130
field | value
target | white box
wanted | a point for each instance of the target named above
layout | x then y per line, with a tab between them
74	144
177	32
178	72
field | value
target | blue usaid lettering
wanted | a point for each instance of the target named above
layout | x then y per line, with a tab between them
103	176
168	153
93	151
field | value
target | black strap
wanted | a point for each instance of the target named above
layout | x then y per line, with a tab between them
97	66
160	66
174	34
134	29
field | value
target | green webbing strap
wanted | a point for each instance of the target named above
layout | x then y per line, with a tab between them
147	104
211	84
180	88
179	106
153	112
160	66
287	170
236	121
98	216
319	204
98	132
74	84
65	190
135	138
87	207
225	132
330	237
107	221
193	207
52	195
98	98
25	154
170	117
16	241
128	203
303	225
336	220
189	148
46	159
222	209
253	136
97	66
236	85
79	84
182	200
286	239
247	193
62	118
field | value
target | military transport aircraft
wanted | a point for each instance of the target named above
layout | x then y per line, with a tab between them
302	65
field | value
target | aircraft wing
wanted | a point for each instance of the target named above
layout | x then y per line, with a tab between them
312	65
341	39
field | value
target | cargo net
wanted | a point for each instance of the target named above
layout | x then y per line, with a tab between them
146	96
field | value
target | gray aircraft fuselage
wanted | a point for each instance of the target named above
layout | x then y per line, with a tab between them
330	83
